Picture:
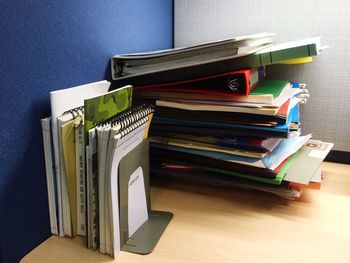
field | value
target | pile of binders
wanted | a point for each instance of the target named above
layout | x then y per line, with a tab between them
97	167
222	121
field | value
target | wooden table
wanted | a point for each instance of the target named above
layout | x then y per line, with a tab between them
218	224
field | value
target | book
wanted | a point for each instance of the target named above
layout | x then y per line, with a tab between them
126	132
307	161
105	106
207	147
66	145
126	65
224	117
206	124
92	191
263	98
194	106
276	104
66	209
80	176
197	175
243	118
69	157
271	55
120	145
61	101
281	53
120	122
271	161
203	123
90	163
103	132
98	109
237	114
97	176
202	129
50	178
242	143
240	82
232	169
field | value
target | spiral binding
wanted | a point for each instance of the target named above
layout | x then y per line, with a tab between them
131	128
78	111
128	117
78	121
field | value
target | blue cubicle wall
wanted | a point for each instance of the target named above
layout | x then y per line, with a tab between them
49	45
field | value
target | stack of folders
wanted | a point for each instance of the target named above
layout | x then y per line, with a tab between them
96	154
235	127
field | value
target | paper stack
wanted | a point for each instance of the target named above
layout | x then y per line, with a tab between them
225	122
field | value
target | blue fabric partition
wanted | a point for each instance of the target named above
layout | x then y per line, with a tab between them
49	45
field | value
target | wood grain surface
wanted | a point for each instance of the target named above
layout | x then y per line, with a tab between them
224	224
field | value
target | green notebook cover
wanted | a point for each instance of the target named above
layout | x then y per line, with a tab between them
103	107
273	87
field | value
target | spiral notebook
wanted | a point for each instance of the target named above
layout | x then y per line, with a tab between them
50	178
80	176
61	101
64	106
118	200
132	225
105	132
66	144
96	156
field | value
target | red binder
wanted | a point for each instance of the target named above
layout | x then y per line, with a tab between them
234	83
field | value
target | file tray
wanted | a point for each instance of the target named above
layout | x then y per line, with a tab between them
145	237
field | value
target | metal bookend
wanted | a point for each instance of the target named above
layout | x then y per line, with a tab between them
145	238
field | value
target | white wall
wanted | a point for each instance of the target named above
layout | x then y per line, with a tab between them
327	113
